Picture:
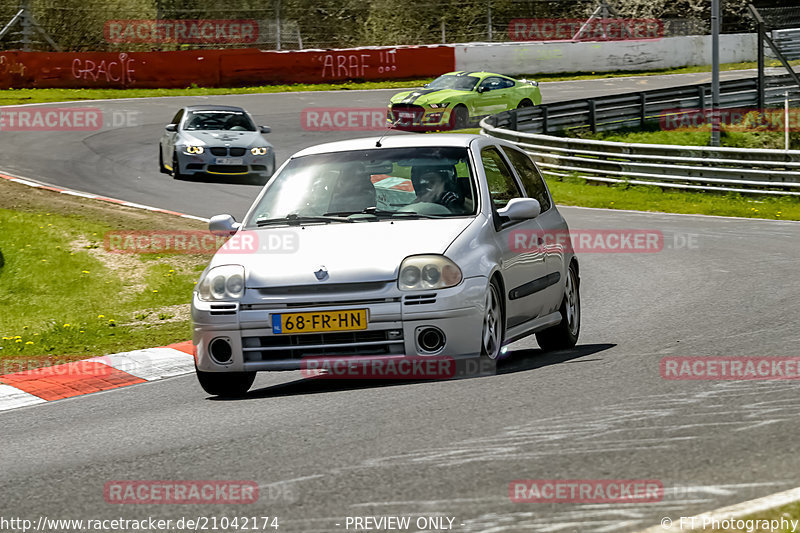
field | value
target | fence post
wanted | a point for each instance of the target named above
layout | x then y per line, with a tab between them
592	115
643	104
544	119
701	94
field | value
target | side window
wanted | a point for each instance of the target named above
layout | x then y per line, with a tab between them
531	178
490	84
177	118
505	83
502	185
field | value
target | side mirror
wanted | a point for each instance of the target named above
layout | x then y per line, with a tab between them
425	86
520	209
481	89
265	129
171	127
223	225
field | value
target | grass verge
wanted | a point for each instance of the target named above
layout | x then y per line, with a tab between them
579	192
64	296
32	96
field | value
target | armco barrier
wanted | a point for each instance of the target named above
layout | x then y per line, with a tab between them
219	68
767	172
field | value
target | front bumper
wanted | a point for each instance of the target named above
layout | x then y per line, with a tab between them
207	163
395	319
419	118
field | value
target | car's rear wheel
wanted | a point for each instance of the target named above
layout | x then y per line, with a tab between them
459	118
161	167
565	334
525	103
493	322
226	384
176	168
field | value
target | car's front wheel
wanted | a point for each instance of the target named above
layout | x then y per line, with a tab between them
226	384
493	322
176	168
565	334
525	103
161	166
459	118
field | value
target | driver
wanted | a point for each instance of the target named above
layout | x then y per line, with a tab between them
432	187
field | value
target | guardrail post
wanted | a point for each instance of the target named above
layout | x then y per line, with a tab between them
592	115
701	94
643	103
544	119
512	120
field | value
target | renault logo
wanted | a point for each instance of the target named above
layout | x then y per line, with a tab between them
322	273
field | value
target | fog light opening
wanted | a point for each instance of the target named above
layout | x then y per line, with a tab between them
220	350
430	339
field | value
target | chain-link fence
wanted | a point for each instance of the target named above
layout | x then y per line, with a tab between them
141	25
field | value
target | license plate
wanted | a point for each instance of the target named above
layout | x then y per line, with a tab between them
406	115
315	322
230	161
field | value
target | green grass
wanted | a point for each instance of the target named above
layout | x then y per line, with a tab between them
696	137
63	294
578	192
30	96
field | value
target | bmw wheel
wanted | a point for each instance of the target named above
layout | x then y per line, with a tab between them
176	169
226	384
161	167
565	334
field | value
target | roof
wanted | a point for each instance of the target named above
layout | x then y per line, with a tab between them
213	108
392	141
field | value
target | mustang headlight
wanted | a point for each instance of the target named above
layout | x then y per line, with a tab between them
440	106
222	283
194	149
421	272
259	150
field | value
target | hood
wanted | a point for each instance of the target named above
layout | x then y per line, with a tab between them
245	139
351	252
426	96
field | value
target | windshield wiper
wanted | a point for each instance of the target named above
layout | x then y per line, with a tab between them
295	220
384	213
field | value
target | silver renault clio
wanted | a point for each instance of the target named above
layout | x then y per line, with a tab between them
406	245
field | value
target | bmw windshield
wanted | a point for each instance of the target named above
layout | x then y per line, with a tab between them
397	183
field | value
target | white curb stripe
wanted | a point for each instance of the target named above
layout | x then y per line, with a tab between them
739	510
12	397
150	364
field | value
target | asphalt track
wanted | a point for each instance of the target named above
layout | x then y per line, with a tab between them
322	451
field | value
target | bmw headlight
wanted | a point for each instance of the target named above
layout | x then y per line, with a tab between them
259	150
440	106
194	149
222	283
421	272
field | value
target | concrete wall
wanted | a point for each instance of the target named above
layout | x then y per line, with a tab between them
565	56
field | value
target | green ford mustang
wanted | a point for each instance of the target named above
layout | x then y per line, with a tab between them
456	99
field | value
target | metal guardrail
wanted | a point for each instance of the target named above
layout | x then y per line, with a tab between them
751	171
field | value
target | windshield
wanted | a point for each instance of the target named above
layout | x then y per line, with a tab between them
396	183
449	81
218	120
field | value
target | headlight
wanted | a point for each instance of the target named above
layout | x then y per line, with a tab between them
440	106
194	149
421	272
222	283
259	150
